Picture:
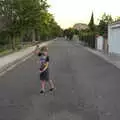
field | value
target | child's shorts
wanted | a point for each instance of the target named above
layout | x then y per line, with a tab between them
44	75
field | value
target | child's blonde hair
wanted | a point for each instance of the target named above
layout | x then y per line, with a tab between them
44	49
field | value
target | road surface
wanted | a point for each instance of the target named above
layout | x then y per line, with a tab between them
87	87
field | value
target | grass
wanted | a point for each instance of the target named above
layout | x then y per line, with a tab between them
9	51
6	52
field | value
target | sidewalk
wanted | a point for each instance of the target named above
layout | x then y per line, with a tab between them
13	58
110	58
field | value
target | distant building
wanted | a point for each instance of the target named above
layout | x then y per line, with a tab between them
80	26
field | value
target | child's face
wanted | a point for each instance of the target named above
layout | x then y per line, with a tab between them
45	53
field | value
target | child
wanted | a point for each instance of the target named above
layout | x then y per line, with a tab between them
44	69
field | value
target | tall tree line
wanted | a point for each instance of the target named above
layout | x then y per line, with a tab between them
23	20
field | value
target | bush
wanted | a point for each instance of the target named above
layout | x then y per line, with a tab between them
88	38
18	47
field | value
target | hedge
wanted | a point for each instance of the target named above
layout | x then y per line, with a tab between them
88	38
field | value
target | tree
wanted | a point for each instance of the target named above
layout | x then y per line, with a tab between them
69	33
76	31
91	23
51	28
23	18
117	19
103	24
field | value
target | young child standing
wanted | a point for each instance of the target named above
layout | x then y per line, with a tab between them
44	69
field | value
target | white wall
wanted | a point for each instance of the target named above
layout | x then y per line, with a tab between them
100	43
114	39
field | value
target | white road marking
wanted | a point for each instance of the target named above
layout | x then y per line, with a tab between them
13	66
1	74
26	58
10	68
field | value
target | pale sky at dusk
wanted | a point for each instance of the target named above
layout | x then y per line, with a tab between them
69	12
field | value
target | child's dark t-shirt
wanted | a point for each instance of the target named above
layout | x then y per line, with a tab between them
44	59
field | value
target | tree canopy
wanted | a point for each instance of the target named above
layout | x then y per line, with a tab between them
103	24
91	23
21	17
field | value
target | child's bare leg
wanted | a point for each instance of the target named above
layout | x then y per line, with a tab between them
43	85
51	84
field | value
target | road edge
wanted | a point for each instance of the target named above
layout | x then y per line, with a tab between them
101	55
13	64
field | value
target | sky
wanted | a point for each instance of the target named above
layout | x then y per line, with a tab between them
69	12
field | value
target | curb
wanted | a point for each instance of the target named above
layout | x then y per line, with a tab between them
101	55
14	63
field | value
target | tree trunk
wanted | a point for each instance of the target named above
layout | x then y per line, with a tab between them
13	41
37	37
33	35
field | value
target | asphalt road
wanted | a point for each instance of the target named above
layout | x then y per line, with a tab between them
87	87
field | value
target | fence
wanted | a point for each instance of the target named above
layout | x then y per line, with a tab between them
88	39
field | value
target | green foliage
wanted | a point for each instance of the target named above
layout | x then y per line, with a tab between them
88	38
70	32
91	23
117	19
23	18
103	24
76	32
3	39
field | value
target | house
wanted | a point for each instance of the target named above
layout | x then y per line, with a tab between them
114	37
80	26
